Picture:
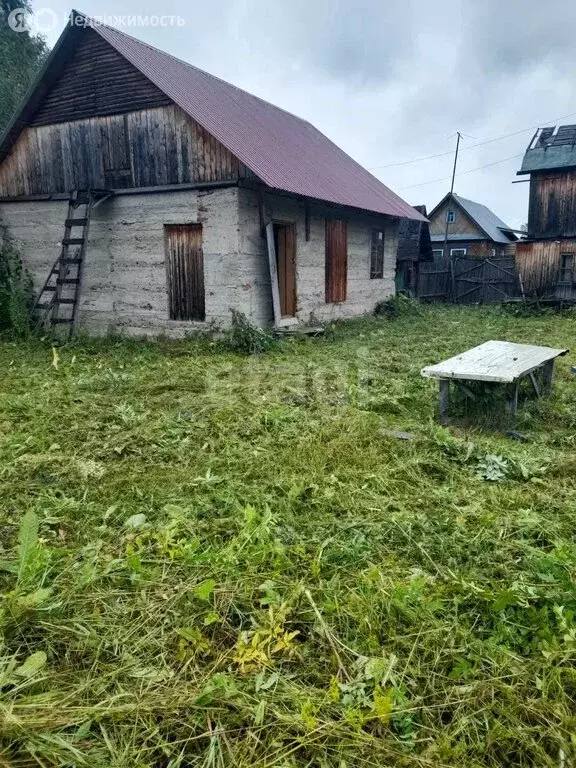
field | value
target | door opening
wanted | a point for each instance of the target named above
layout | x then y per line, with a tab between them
285	246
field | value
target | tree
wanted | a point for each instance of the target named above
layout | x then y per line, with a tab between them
21	56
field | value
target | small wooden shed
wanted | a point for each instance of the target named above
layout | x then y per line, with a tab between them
148	196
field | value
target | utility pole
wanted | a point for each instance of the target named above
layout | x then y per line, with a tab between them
445	248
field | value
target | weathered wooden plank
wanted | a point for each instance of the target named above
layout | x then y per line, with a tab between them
496	361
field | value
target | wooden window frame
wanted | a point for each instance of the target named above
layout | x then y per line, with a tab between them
335	264
567	270
439	251
451	217
186	298
377	254
458	251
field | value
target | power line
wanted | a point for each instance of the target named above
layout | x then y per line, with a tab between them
473	146
462	173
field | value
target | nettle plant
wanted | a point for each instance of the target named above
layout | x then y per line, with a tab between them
16	291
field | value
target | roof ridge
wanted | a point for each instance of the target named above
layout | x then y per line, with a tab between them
96	24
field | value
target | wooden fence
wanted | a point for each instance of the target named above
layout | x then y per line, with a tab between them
468	281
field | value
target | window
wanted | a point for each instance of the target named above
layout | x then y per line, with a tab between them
566	268
451	217
185	271
336	261
457	251
437	253
377	255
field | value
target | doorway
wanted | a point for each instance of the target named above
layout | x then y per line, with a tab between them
285	247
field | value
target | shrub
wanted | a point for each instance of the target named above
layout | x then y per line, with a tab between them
16	292
246	338
397	305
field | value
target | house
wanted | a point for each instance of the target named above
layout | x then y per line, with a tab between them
546	258
473	230
414	247
148	196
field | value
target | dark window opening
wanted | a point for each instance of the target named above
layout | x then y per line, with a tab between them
336	261
377	255
567	268
185	271
451	217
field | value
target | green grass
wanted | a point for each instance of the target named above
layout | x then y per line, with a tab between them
237	565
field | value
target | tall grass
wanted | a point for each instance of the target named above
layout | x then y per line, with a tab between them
214	560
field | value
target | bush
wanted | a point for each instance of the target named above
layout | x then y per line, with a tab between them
16	291
397	305
246	338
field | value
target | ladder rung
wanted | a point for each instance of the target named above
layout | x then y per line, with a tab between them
45	306
68	281
49	288
73	241
65	301
61	320
75	222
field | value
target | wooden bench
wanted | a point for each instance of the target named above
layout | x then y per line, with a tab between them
499	362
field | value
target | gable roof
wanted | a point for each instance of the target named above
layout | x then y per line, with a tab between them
284	151
493	227
550	148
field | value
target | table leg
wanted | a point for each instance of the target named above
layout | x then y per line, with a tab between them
512	400
548	377
443	399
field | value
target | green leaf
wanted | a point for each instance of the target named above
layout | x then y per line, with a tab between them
27	541
205	589
212	618
82	731
136	521
32	665
260	710
34	598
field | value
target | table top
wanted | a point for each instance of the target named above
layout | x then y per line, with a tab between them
497	361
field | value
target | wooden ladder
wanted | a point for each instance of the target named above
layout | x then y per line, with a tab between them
58	301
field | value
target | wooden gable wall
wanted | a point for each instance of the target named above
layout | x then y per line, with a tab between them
104	125
462	225
96	80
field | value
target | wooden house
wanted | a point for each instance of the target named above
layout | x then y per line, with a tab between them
546	258
148	196
414	248
473	230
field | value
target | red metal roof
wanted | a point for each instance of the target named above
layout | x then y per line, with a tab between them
283	150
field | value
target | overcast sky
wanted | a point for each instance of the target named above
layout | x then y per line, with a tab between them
390	80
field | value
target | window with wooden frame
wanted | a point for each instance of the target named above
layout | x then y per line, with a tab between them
377	255
336	261
457	251
566	268
185	271
451	217
437	253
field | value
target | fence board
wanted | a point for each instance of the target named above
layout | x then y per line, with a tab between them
476	281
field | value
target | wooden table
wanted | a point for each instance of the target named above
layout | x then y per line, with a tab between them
499	362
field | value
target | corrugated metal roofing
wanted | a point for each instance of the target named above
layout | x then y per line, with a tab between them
485	219
284	151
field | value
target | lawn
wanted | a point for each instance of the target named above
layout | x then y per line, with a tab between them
212	560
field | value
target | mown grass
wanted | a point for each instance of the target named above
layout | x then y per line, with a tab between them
238	565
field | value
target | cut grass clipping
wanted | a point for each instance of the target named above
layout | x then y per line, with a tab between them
214	560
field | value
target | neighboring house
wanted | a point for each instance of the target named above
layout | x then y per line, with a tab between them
473	230
199	198
546	259
414	247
